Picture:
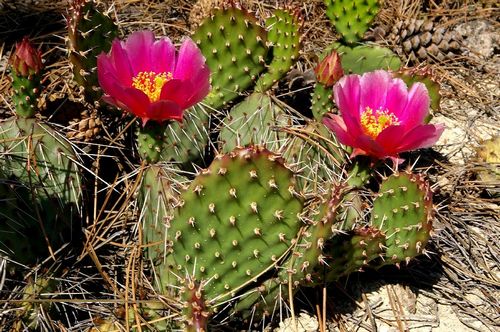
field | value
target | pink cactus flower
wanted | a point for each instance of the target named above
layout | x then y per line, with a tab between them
380	117
150	79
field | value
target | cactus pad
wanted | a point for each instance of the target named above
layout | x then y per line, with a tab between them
176	142
322	101
365	58
308	257
36	155
252	122
403	211
235	221
351	17
283	36
234	45
90	32
352	251
26	92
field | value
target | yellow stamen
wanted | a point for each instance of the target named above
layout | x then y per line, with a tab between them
151	83
374	122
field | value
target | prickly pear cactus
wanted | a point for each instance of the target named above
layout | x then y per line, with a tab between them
253	121
308	259
351	17
40	190
26	71
365	58
234	222
90	32
234	45
262	300
313	150
42	159
321	101
403	211
157	196
353	251
183	143
195	311
283	36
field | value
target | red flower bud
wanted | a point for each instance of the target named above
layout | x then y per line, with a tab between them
329	70
26	60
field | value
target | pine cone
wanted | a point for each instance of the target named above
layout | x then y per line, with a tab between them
421	40
86	128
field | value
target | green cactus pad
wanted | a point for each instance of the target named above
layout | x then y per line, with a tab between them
235	221
351	17
39	157
40	189
365	58
352	251
252	122
403	211
90	32
262	300
283	36
20	234
234	45
322	101
307	262
195	311
183	143
25	96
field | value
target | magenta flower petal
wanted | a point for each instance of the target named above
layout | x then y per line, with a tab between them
177	91
189	61
138	47
336	124
373	89
163	53
390	138
201	82
150	80
346	94
157	111
397	98
418	105
120	64
421	136
379	117
136	101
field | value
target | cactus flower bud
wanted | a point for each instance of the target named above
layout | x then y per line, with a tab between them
329	70
26	60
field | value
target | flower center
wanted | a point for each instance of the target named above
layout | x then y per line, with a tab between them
151	83
374	122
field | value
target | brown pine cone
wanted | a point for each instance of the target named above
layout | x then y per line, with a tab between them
86	128
422	40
